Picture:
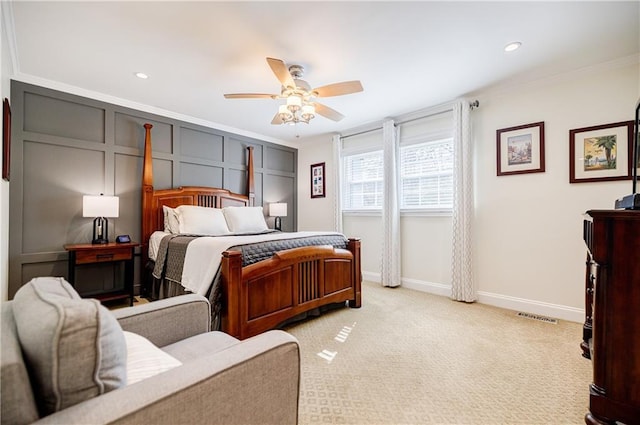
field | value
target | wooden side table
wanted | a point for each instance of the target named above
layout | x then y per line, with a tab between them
80	254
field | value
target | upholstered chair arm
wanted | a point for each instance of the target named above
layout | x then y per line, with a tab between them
169	320
253	382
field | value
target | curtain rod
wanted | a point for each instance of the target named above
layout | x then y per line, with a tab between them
472	106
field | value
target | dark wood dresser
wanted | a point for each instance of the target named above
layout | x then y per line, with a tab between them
611	336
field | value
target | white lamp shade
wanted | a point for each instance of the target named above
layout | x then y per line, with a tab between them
100	206
278	209
308	110
294	101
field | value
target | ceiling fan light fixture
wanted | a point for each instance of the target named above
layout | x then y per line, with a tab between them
294	103
284	112
295	112
308	112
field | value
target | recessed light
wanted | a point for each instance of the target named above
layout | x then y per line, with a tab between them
142	75
512	46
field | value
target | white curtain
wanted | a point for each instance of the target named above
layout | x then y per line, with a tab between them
390	273
462	280
337	179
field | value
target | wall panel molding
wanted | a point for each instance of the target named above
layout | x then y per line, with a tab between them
65	146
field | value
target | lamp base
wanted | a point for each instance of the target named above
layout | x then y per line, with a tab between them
278	224
100	231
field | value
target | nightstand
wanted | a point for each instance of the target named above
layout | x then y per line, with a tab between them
81	254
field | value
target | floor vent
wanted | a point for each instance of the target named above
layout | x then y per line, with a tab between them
537	317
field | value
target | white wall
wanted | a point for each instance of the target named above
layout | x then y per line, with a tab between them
5	77
315	213
528	249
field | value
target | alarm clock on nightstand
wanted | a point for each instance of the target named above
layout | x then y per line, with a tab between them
123	239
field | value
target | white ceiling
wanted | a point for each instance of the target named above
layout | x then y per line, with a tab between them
408	55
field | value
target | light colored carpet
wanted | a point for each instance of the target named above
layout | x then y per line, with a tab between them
408	357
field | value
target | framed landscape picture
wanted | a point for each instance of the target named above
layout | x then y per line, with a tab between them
601	153
520	149
317	180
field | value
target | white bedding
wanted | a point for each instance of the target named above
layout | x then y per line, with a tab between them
154	243
204	254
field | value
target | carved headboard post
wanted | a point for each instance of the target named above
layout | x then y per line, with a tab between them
147	200
251	190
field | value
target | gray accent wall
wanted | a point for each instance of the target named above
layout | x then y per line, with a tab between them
65	146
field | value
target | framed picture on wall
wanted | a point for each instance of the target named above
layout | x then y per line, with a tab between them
601	153
6	138
317	180
520	149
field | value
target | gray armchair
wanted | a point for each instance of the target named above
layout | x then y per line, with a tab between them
220	380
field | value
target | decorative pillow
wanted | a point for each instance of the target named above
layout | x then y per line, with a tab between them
171	224
73	347
245	219
144	359
201	220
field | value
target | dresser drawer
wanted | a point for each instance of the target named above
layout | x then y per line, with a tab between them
103	255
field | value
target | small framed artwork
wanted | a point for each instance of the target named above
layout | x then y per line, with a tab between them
520	149
601	152
317	180
6	138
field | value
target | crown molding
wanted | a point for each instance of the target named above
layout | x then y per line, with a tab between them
10	33
66	88
516	86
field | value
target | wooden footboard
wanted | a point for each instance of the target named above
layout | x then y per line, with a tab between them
261	296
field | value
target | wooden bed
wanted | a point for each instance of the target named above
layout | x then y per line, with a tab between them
263	295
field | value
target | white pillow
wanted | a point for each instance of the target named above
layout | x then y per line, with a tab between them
171	224
196	220
245	219
144	359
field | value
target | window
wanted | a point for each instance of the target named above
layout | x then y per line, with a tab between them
426	175
363	181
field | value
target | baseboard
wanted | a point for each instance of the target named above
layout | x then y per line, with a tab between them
556	311
371	277
418	285
430	287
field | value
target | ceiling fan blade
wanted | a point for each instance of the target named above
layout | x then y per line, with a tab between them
277	120
338	89
327	112
282	72
250	96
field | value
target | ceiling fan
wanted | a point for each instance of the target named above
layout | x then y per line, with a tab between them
299	95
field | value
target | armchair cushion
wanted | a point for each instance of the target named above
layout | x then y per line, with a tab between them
74	348
144	359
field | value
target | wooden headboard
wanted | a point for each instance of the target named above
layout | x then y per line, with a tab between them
153	200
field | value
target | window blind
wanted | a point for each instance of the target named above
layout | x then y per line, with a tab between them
426	175
363	181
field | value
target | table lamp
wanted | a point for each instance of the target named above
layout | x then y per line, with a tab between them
277	210
100	207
